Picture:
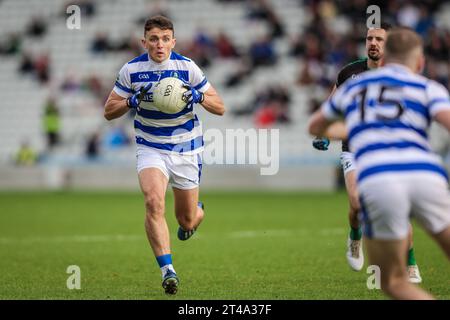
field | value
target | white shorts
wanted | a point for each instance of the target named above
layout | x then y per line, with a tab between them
182	171
347	162
389	200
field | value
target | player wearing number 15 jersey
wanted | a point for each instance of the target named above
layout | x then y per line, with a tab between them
387	113
375	40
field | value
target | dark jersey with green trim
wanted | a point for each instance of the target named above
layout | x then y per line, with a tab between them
351	71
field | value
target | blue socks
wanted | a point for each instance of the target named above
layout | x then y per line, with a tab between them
165	263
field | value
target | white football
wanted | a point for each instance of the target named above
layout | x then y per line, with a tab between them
168	95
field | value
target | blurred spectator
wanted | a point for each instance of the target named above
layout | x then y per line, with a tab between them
266	116
41	66
154	8
276	27
262	53
117	137
425	21
240	75
311	73
101	43
435	46
201	49
87	7
93	146
131	44
306	78
27	64
37	27
258	9
225	47
12	45
271	105
95	86
271	113
408	15
52	123
261	10
25	156
70	82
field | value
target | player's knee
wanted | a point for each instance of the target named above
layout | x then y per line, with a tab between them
154	205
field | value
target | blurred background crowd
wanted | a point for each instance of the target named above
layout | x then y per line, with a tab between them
274	62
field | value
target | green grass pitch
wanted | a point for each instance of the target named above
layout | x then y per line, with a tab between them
250	246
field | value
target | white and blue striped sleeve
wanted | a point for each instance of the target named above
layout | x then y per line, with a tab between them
438	98
123	83
331	108
197	78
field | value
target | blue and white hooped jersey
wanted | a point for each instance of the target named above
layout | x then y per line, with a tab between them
388	112
174	133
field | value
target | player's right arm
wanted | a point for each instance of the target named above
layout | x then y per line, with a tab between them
334	130
115	106
337	130
119	100
323	120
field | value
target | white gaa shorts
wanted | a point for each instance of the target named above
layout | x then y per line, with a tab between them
347	161
182	171
389	200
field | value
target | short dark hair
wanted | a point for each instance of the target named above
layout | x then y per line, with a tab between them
386	26
401	42
160	22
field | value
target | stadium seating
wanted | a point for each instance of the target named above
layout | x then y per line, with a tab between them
23	98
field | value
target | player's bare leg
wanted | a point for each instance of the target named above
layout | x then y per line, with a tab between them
355	256
443	238
153	185
390	256
413	268
188	211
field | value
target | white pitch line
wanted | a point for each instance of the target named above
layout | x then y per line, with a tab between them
284	233
75	238
121	237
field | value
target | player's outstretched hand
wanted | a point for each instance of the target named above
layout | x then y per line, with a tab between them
135	100
321	143
192	95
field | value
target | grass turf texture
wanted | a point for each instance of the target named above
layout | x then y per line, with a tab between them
250	246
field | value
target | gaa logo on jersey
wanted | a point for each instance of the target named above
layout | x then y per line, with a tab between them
355	76
143	76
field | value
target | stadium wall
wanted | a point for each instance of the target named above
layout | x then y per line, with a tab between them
306	177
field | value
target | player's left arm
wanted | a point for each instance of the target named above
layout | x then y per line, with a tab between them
202	92
212	102
439	103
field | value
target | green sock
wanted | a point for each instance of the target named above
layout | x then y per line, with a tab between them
411	258
355	234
